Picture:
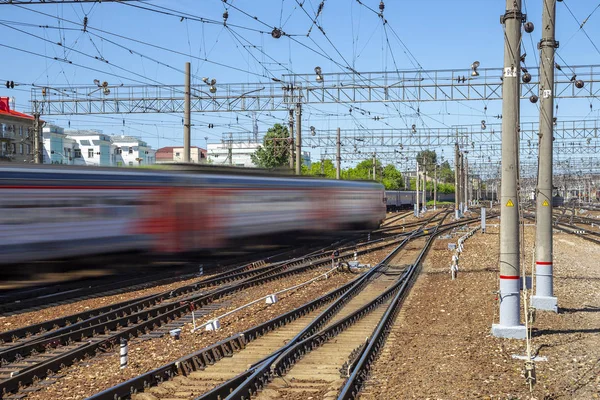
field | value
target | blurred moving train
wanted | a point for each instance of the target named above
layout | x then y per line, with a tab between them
60	212
405	199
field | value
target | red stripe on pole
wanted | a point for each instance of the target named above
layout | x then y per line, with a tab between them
509	277
543	262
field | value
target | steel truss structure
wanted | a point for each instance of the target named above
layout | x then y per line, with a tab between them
464	135
286	93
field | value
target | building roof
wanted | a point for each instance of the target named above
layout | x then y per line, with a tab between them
127	139
6	111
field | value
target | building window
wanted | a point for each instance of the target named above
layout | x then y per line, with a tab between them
131	150
118	150
28	149
77	153
131	163
176	154
90	153
20	148
21	130
14	148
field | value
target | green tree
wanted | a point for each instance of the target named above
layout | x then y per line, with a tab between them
445	173
274	153
427	160
392	178
364	170
320	168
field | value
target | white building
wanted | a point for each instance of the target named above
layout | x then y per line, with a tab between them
130	151
237	154
95	146
59	148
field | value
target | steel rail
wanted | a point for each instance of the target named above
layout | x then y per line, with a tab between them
376	341
151	318
213	353
258	375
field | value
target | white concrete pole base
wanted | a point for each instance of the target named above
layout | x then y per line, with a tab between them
509	332
545	303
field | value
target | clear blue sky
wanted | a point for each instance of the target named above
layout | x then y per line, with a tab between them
428	34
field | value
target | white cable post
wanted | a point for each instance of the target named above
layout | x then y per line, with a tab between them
124	353
193	315
201	269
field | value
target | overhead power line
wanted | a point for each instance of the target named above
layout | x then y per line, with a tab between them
38	2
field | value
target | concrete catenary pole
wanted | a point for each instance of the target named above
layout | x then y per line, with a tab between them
298	138
466	182
424	189
509	295
456	182
338	156
435	188
291	138
544	298
37	133
417	209
374	163
187	118
462	182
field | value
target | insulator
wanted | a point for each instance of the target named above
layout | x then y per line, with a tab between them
526	77
533	98
529	27
381	6
276	33
579	84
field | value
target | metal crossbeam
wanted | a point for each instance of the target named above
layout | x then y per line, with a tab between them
464	135
434	85
284	94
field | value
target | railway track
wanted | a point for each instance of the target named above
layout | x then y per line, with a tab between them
29	353
38	298
196	373
395	218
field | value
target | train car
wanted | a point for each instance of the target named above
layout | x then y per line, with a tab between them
399	199
54	212
405	199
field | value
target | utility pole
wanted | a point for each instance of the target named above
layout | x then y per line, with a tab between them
456	182
230	149
291	138
466	182
37	129
417	189
374	161
509	325
298	138
187	116
544	298
338	157
424	189
435	188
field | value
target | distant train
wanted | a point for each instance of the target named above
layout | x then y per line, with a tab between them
405	199
57	212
